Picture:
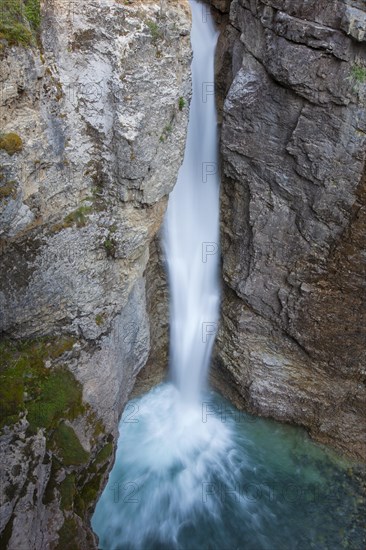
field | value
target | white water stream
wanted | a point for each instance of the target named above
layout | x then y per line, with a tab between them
191	231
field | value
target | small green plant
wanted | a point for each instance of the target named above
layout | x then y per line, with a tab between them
99	318
110	247
20	21
154	29
11	143
181	103
358	73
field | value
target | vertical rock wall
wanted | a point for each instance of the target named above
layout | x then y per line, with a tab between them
292	78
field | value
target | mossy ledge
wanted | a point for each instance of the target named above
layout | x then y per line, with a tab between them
36	385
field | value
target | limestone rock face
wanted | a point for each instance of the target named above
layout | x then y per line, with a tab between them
81	201
292	340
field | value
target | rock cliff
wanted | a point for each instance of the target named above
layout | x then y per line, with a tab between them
93	127
292	92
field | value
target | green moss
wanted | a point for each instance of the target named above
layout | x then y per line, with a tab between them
68	535
20	21
67	490
8	190
11	143
27	385
68	446
181	103
89	493
13	24
358	73
60	346
104	454
32	12
11	397
59	397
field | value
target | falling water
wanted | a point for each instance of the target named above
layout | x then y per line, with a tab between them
191	471
191	233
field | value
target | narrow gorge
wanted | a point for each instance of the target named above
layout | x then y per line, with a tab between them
96	103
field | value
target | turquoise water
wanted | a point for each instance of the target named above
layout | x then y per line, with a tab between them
210	477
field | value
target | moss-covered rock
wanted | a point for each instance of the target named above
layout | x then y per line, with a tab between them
68	446
67	489
68	535
36	384
28	386
11	143
20	21
104	454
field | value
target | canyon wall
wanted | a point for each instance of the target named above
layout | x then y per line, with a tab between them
292	92
93	128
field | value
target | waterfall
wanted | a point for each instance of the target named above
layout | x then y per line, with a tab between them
191	228
192	472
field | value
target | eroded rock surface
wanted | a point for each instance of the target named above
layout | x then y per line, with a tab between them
292	339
